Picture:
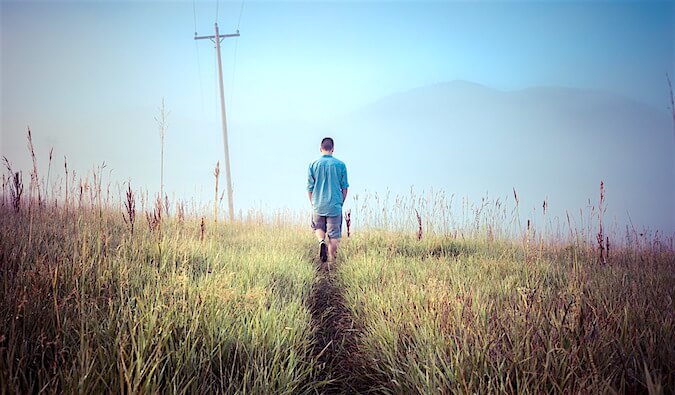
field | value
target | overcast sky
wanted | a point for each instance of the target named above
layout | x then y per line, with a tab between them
88	76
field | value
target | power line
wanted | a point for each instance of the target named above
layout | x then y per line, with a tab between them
199	66
234	60
199	74
241	10
194	14
234	71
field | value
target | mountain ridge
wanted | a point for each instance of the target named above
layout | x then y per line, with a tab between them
549	89
544	141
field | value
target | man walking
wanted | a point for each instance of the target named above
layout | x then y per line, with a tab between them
327	189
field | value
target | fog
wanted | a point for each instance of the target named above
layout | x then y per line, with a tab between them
473	99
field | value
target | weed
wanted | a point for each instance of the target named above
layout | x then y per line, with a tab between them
130	206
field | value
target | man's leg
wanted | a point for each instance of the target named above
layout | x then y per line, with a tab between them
334	231
319	226
332	248
320	234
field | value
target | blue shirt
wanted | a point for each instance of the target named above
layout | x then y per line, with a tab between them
326	179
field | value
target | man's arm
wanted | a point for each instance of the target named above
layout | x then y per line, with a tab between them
310	183
344	183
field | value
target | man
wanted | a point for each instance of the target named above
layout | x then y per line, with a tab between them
327	190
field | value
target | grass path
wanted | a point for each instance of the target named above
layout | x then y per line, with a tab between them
343	366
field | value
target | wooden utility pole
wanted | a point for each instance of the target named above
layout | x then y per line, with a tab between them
216	39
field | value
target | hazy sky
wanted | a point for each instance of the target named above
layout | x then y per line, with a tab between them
88	76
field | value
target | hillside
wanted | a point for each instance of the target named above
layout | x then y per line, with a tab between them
545	142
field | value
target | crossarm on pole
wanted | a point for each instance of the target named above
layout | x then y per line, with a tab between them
219	36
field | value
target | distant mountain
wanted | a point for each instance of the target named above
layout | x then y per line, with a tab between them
550	142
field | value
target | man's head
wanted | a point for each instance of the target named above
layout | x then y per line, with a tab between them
327	145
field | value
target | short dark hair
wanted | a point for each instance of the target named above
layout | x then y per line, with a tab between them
327	144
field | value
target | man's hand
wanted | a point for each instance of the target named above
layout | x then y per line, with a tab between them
310	196
344	195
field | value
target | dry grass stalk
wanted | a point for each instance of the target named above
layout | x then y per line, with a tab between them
348	221
95	191
4	189
202	228
73	183
419	225
516	210
130	206
161	123
34	179
180	212
569	225
144	199
603	240
49	170
154	217
216	173
15	186
107	198
84	187
167	206
65	166
527	241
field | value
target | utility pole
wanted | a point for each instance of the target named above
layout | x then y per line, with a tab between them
216	39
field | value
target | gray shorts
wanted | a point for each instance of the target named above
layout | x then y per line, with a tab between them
331	225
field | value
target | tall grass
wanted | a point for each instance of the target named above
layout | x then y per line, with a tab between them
445	301
446	315
90	307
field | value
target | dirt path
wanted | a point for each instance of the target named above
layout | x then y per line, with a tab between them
337	337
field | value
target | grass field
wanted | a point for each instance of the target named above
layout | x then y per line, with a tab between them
87	307
446	316
181	304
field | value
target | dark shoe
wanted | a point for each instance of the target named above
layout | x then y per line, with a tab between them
323	252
